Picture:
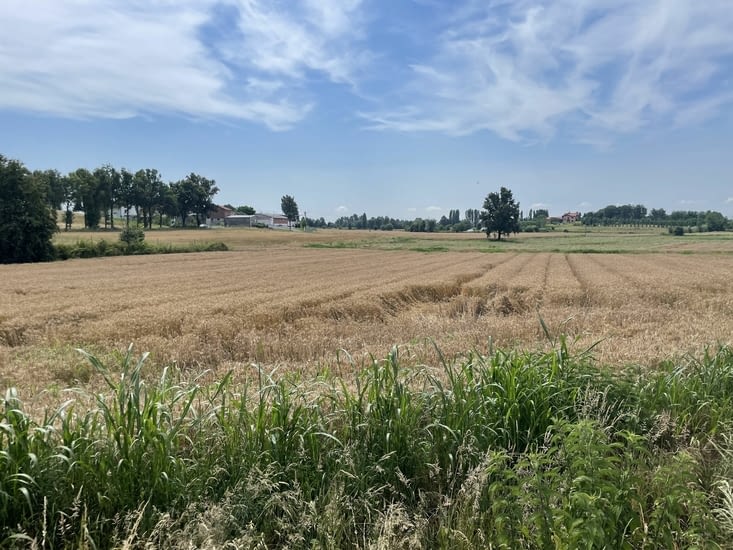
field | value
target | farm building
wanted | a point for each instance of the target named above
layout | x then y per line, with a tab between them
278	221
571	217
218	214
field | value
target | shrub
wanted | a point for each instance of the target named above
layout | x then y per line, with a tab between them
677	231
215	247
133	237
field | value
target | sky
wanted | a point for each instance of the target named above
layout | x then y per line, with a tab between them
405	108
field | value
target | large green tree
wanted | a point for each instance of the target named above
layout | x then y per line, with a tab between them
27	221
500	214
715	221
206	189
147	184
86	196
290	209
127	193
194	195
108	189
167	203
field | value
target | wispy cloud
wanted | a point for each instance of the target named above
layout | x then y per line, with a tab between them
199	58
530	69
433	209
341	209
526	70
729	200
315	36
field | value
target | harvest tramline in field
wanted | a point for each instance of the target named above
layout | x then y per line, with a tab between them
279	302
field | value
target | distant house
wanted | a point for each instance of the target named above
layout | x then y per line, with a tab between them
122	212
571	217
275	221
218	215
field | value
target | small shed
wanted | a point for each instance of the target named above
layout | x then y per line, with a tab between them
239	220
276	221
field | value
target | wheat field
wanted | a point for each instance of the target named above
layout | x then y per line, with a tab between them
295	307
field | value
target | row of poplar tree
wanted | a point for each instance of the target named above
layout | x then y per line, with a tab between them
142	195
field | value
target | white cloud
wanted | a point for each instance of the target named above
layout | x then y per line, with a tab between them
412	210
729	200
524	70
691	202
291	42
529	69
341	209
540	205
119	59
433	209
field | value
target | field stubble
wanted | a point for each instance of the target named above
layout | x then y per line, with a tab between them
297	307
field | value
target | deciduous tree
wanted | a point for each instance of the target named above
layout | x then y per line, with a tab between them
108	189
27	221
127	193
290	209
147	185
500	214
194	195
86	196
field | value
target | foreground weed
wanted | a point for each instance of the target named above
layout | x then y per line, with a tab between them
505	450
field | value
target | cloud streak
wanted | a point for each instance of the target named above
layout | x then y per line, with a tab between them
123	59
528	70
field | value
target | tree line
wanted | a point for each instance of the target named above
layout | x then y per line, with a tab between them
453	222
29	201
142	194
637	214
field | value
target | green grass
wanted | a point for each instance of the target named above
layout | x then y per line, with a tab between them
506	450
579	240
570	239
103	248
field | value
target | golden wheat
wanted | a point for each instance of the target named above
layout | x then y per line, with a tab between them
297	307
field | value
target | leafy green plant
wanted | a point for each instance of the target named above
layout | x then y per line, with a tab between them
506	450
132	236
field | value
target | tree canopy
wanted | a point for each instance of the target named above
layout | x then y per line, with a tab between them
27	221
194	194
500	214
290	209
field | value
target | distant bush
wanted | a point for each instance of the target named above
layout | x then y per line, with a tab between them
91	249
677	231
132	236
214	247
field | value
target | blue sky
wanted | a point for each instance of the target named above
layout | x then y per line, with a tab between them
404	108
